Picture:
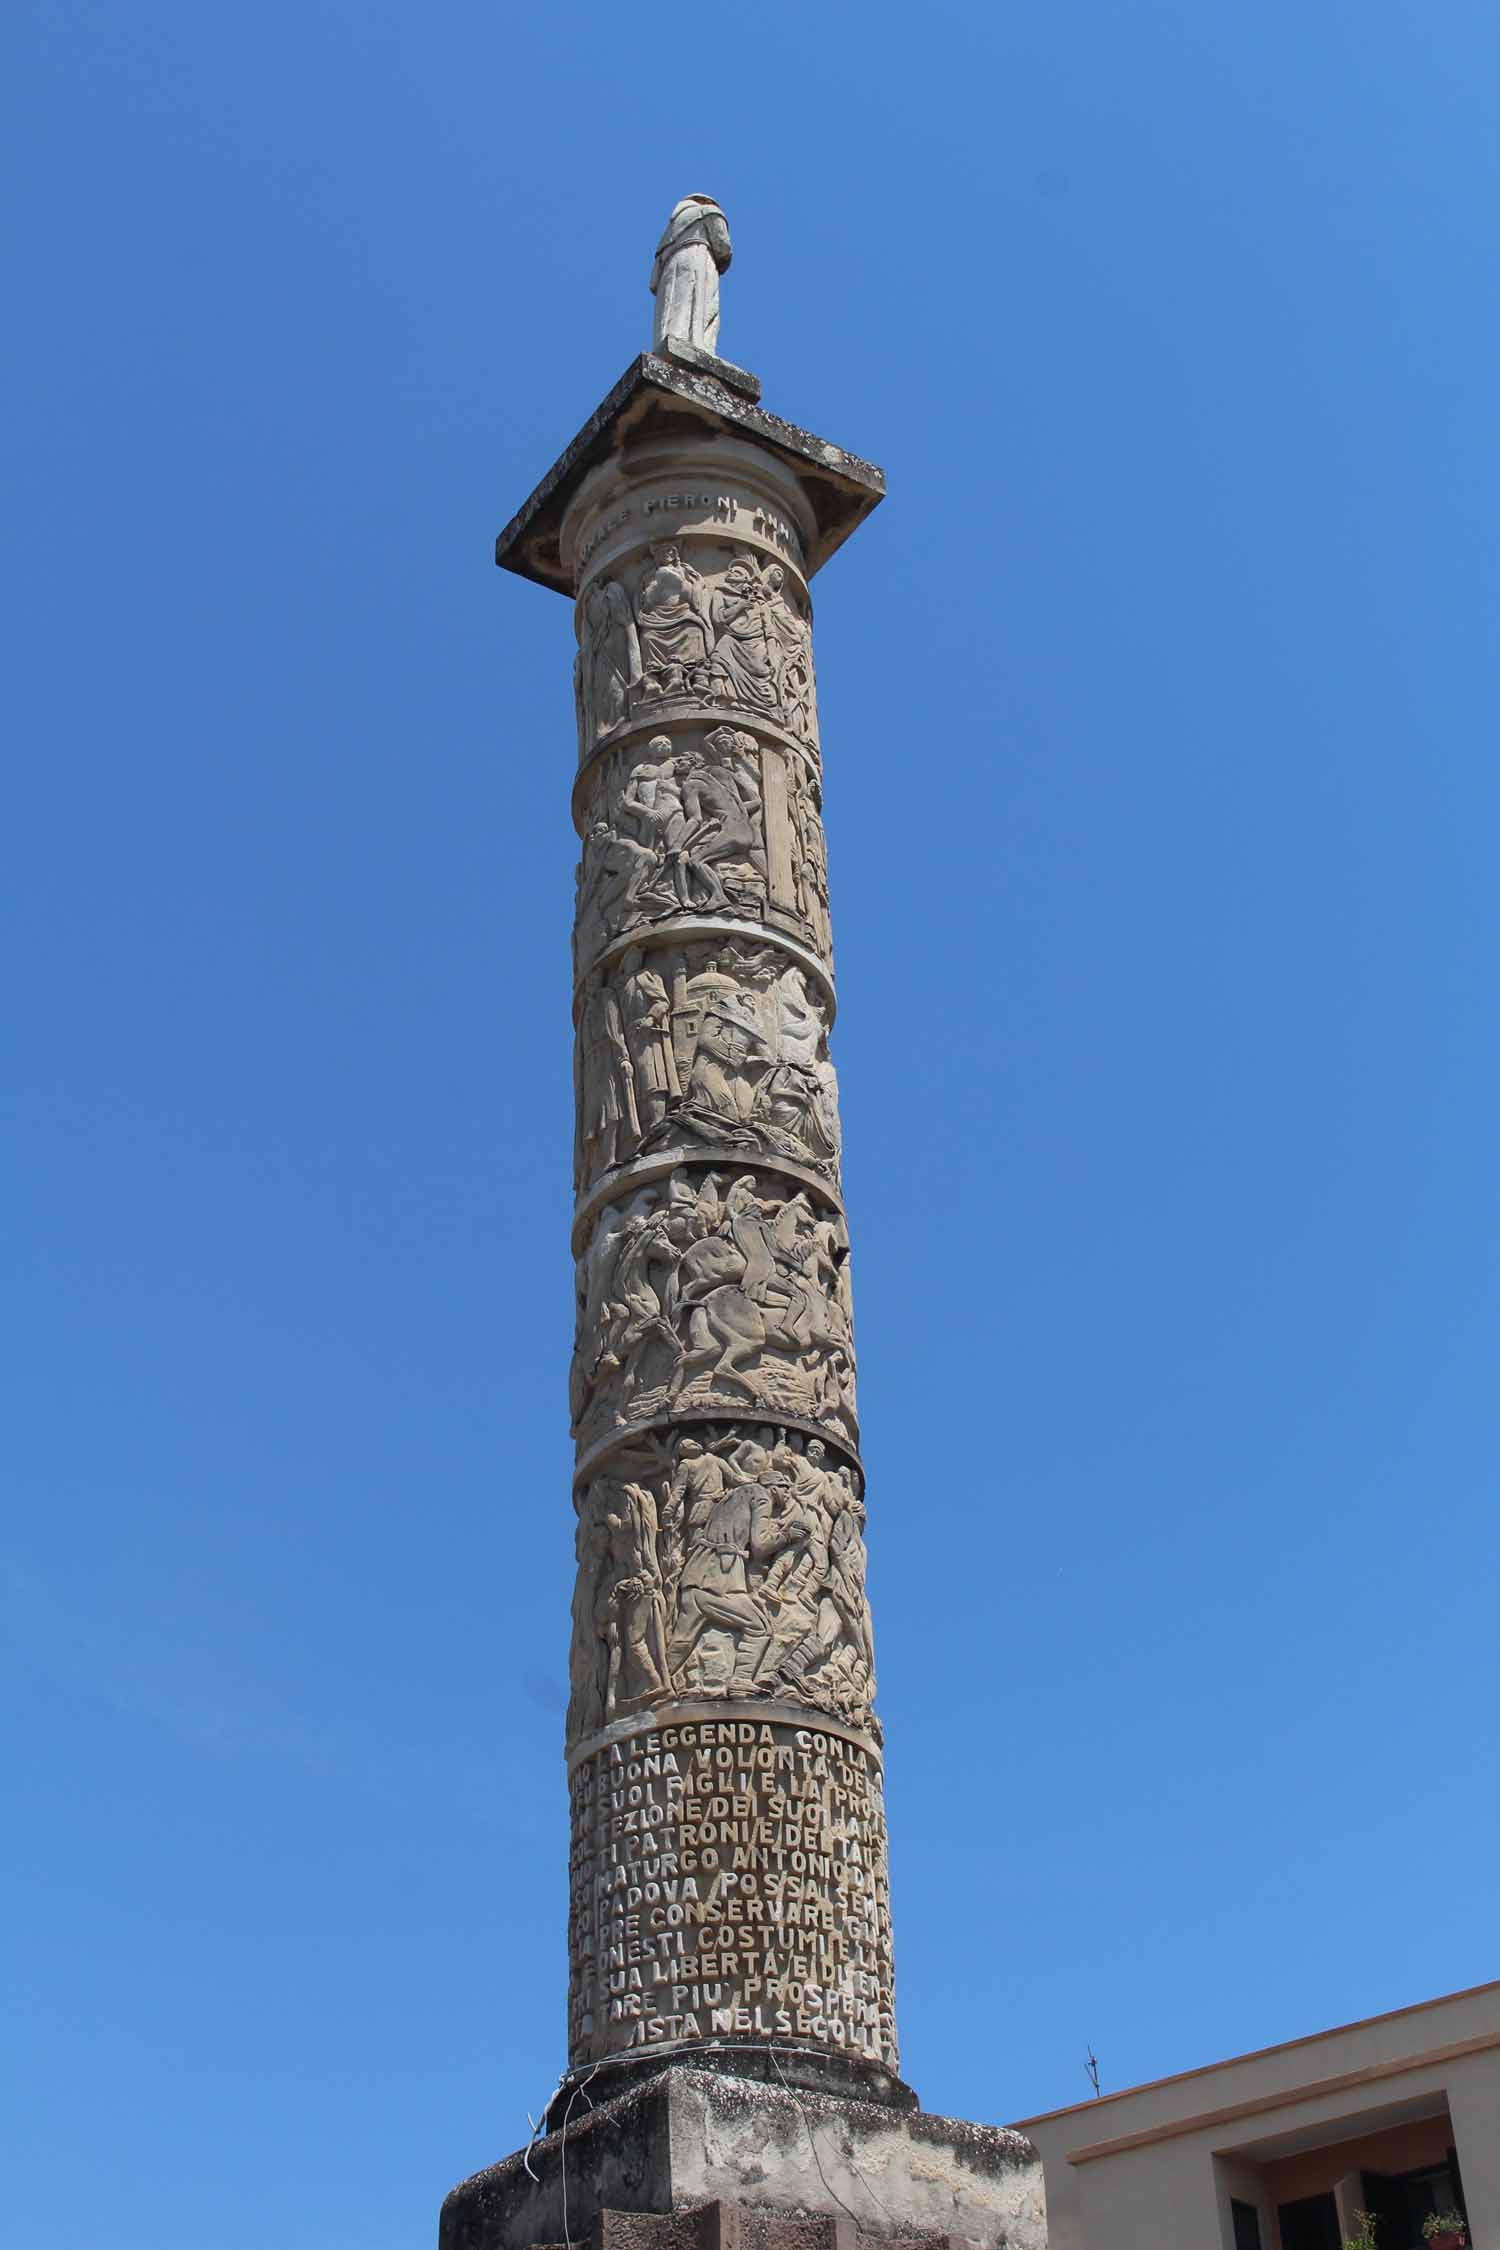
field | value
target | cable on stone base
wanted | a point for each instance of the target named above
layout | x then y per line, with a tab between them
562	2154
536	2127
812	2144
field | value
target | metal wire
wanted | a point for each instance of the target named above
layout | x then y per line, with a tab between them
812	2144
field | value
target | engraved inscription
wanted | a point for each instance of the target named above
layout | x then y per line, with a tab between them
728	1880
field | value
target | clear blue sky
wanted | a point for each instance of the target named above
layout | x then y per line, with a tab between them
1159	708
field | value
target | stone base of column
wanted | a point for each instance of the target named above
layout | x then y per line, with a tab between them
694	2159
804	2070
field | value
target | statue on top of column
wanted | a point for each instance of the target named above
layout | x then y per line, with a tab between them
692	253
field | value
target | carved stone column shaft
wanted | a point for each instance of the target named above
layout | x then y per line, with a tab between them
728	1869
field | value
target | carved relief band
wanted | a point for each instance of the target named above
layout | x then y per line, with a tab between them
709	1289
700	821
721	1560
722	1045
706	620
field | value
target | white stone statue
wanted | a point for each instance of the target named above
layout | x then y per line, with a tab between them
692	253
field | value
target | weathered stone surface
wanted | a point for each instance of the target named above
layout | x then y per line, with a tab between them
688	2138
709	363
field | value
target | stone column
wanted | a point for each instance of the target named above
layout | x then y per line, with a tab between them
728	1869
728	1865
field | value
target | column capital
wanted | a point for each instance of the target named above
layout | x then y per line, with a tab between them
659	398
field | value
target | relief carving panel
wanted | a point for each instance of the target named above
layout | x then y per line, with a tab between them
721	1561
719	1043
721	625
707	822
707	1290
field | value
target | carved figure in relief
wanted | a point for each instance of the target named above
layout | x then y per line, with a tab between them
722	1284
616	879
693	251
634	1322
672	614
630	1613
619	1605
653	796
610	670
745	666
723	1536
848	1557
605	1090
647	1022
799	696
698	1480
810	862
723	813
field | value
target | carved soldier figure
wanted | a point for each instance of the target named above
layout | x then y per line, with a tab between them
834	1596
812	1483
794	1584
608	1125
715	1586
629	1609
692	253
698	1480
646	1018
